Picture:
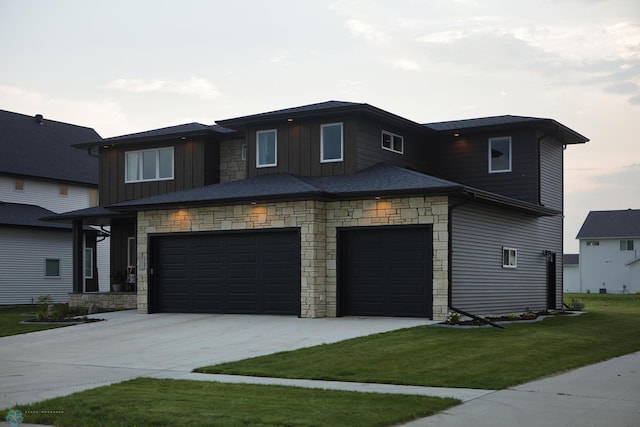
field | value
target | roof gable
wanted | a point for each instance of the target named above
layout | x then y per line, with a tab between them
41	148
611	224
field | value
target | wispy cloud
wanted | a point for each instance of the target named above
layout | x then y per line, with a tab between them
367	31
194	86
406	65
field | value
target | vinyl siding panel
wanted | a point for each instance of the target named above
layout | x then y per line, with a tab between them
466	160
479	282
46	194
551	173
22	265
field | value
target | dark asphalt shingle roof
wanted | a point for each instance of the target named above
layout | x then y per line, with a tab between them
44	150
177	131
21	215
571	259
565	134
611	224
311	108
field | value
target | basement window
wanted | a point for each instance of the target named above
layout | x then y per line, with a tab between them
509	258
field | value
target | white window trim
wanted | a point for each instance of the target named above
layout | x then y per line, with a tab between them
275	156
626	243
392	135
341	158
509	265
127	180
510	155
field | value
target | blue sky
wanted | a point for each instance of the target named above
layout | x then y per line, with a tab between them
128	66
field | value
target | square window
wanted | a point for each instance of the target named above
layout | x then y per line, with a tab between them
266	146
392	142
626	245
500	154
509	258
52	267
331	142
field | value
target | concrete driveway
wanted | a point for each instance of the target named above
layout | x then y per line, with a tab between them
58	362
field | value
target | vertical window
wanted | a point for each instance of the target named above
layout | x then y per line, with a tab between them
626	245
52	267
18	185
243	156
392	142
509	258
88	263
63	190
266	146
149	165
131	252
331	143
500	154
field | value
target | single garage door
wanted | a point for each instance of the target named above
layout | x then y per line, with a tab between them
386	271
255	272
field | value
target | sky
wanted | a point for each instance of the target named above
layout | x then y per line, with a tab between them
128	66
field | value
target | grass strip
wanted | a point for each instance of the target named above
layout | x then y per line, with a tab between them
484	358
153	402
10	318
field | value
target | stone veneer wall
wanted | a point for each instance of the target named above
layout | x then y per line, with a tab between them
232	167
104	300
318	222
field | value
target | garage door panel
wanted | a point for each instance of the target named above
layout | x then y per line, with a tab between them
244	272
386	271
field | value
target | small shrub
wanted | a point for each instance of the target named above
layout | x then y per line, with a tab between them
453	317
575	305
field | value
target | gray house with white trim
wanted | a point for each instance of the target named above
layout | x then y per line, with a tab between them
337	209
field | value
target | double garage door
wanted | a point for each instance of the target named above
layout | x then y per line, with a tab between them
244	272
383	271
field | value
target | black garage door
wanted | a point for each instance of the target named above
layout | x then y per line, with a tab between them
386	271
254	272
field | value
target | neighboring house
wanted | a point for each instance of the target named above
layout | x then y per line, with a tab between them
41	174
571	273
337	209
609	252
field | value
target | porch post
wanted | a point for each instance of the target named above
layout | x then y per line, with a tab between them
78	265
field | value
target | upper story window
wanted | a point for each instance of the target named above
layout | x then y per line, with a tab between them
509	258
266	147
18	185
500	154
63	190
392	142
593	243
149	165
331	145
626	245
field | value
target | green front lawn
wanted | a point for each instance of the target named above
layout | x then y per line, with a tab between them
151	402
486	358
10	318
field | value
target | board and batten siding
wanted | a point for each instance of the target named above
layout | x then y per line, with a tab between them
480	284
22	265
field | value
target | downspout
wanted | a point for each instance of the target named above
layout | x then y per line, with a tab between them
450	266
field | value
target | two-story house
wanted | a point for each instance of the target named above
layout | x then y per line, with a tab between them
337	209
609	259
41	174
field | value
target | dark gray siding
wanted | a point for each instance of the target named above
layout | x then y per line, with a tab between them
466	160
479	282
551	173
196	163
